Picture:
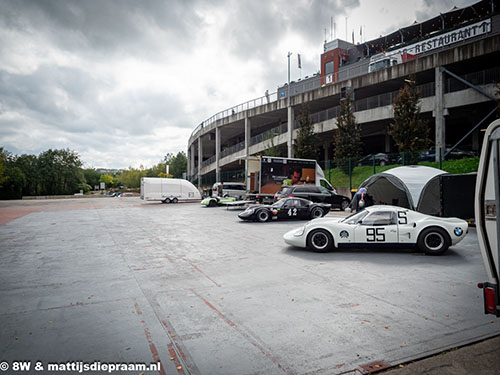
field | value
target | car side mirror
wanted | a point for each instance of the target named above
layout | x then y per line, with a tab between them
414	225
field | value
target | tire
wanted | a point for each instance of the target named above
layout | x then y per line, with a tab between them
320	241
212	203
344	205
316	212
433	241
167	200
175	200
382	163
262	216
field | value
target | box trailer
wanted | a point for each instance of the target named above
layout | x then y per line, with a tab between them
168	190
266	175
487	205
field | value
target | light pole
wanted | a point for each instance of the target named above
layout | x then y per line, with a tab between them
289	54
289	115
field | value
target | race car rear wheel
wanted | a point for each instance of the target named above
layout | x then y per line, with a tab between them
262	216
320	240
316	212
433	241
167	200
212	203
175	200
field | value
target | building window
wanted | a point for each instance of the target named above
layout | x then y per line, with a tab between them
329	67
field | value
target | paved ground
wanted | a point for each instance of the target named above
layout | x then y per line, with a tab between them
119	280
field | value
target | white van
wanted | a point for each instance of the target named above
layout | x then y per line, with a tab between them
168	190
230	189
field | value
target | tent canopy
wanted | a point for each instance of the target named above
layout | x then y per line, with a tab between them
402	186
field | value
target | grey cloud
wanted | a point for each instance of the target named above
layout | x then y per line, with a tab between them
105	27
433	8
263	24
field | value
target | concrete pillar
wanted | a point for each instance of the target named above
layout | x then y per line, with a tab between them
438	114
326	147
200	160
217	154
387	142
291	121
191	161
248	133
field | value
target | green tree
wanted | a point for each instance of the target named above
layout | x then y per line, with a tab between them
131	178
409	131
177	164
347	137
29	165
107	179
60	172
2	168
306	142
92	177
271	148
16	181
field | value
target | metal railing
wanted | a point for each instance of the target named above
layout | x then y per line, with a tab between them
208	161
231	150
281	129
266	99
426	90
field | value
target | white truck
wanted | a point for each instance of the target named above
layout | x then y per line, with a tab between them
267	174
168	190
487	212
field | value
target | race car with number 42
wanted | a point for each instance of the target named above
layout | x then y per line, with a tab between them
381	226
287	208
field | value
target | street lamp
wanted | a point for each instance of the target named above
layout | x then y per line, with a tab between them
289	54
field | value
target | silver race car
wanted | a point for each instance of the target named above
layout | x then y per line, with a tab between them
380	226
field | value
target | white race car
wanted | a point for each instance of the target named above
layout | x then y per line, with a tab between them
380	226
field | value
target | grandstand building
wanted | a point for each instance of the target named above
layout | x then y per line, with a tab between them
454	58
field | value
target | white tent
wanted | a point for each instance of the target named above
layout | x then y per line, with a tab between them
401	186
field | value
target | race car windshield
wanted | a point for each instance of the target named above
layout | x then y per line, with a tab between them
355	218
280	203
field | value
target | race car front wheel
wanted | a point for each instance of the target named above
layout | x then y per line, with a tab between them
433	241
320	240
262	216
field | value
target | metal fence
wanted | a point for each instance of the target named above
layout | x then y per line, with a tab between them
351	169
268	134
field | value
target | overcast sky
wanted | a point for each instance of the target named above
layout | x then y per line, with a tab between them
124	82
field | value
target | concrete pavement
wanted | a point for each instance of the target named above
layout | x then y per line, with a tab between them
204	293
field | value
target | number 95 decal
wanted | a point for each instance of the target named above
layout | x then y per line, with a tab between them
375	235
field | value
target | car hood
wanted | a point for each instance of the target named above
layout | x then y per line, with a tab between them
327	220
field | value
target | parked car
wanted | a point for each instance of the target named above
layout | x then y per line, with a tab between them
381	226
287	208
380	159
217	201
230	189
313	193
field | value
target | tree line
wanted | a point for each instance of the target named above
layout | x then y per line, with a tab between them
61	172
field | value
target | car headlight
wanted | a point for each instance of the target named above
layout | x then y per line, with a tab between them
300	232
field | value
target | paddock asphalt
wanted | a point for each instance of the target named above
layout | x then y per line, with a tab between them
119	280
